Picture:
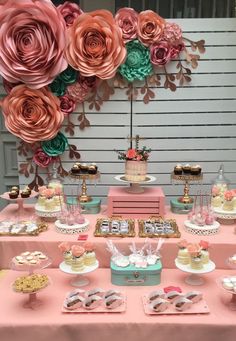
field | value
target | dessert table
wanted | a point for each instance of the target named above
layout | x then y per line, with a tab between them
223	244
48	322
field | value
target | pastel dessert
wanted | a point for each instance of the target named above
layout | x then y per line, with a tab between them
183	254
194	296
50	198
111	292
77	263
73	302
204	251
96	291
31	283
30	258
228	204
89	255
67	255
92	302
113	301
171	296
154	295
182	304
159	305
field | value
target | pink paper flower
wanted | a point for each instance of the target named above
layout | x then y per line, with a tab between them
32	115
77	92
131	154
194	250
150	27
67	104
32	42
48	193
228	195
8	86
204	245
160	53
96	47
64	247
41	159
77	251
172	33
182	244
70	11
127	19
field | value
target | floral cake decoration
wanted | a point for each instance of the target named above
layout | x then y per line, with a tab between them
53	59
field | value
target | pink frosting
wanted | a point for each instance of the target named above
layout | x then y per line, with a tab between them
64	247
194	249
48	193
204	244
228	195
215	191
88	246
77	251
42	189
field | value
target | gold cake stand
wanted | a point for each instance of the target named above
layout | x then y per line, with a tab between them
84	197
186	179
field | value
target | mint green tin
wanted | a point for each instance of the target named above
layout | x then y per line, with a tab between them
132	276
91	207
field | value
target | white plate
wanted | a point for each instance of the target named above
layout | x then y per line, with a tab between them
210	266
87	269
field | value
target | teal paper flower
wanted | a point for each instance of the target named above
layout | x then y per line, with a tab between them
58	87
56	146
137	65
68	76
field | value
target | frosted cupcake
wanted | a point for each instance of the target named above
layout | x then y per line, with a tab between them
183	255
196	262
228	203
204	252
67	255
89	255
216	200
77	263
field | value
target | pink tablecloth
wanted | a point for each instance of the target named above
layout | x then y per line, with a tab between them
48	323
223	244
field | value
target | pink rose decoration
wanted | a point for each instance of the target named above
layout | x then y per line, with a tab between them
32	42
150	27
131	153
182	244
8	86
172	288
228	195
96	47
77	251
70	11
160	53
77	92
176	49
32	115
204	245
48	193
64	247
172	33
67	104
127	19
41	159
194	250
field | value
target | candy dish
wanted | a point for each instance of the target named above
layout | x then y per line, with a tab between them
194	278
156	227
115	226
205	230
79	279
228	284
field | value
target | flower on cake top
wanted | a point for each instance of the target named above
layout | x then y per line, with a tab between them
77	250
64	247
89	247
228	195
134	154
182	244
204	245
194	250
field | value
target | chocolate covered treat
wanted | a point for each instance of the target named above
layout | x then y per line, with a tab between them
13	195
178	169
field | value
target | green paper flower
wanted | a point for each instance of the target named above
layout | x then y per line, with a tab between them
68	76
56	146
58	87
137	64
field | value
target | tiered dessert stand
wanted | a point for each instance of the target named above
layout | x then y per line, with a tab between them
135	187
194	278
79	280
19	201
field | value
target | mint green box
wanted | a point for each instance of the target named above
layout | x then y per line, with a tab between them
132	276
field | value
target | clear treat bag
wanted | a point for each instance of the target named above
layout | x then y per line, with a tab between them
116	256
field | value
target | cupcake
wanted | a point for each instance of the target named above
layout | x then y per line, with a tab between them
13	195
77	263
204	252
178	169
89	255
183	255
27	189
187	168
65	249
25	194
84	168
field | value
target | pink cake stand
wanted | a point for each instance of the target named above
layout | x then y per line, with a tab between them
19	200
135	187
194	278
79	280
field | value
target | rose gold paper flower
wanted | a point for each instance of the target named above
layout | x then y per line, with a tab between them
67	105
172	33
96	47
150	27
32	42
41	159
127	19
70	11
8	86
77	92
176	49
160	53
32	115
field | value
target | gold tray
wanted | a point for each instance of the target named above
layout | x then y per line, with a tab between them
41	228
158	219
131	231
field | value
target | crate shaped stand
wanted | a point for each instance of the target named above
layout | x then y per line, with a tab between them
150	202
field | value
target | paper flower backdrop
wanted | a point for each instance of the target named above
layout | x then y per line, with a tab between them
54	58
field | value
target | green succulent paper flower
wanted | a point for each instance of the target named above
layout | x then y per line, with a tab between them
58	87
56	146
137	65
68	76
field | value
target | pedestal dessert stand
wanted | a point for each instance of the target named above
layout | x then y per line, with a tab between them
33	302
232	302
186	179
194	278
84	197
135	187
225	217
79	280
19	201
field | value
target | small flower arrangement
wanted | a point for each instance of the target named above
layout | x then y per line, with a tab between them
133	154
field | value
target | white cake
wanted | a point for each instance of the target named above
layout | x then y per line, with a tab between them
135	171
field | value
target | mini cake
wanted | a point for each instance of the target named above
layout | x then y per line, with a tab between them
204	251
187	168
196	262
135	171
13	194
89	255
216	200
50	199
65	249
228	204
183	254
77	263
178	169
